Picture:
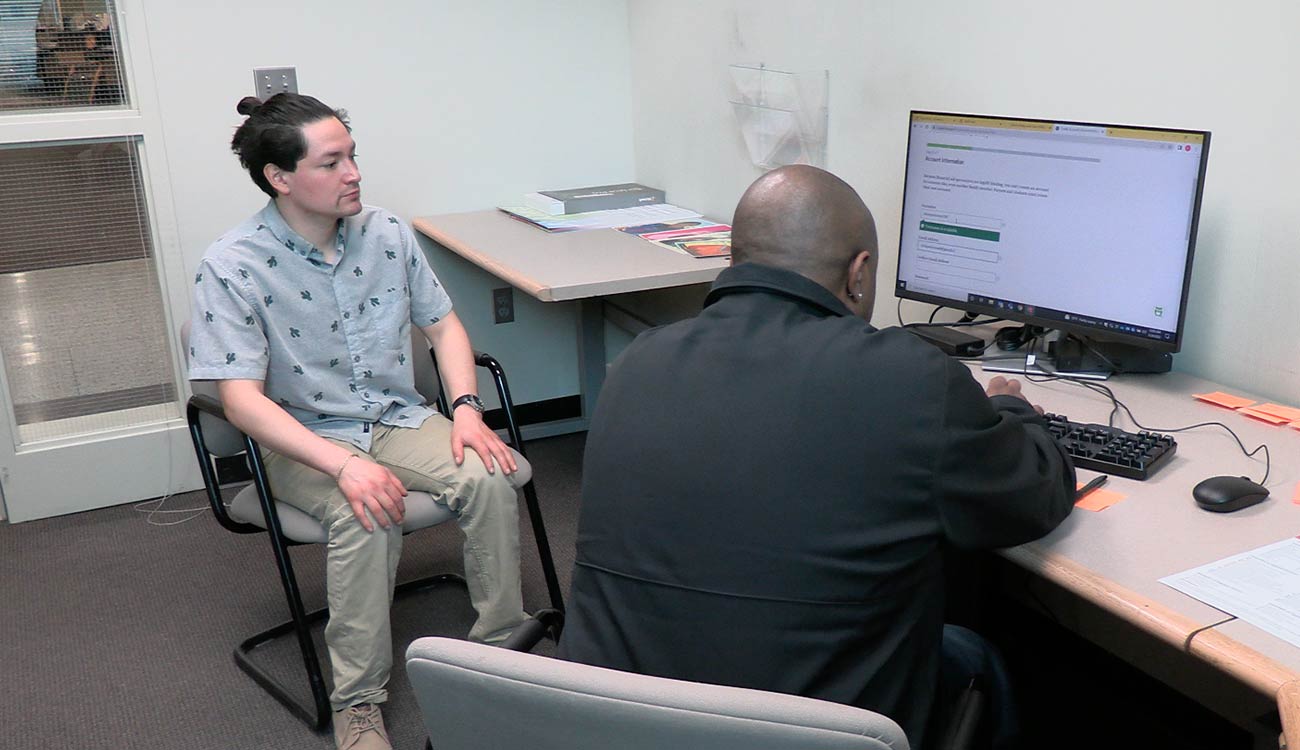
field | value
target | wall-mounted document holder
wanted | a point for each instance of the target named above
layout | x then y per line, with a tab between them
782	116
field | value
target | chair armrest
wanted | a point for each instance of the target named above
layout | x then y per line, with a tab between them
489	363
516	441
208	405
545	623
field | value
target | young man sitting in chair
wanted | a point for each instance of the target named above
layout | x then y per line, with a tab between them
302	315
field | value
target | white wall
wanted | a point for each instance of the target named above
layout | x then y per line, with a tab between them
1231	68
455	106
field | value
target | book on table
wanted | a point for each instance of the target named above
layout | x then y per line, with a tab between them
594	198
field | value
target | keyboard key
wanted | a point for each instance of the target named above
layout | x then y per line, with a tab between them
1110	450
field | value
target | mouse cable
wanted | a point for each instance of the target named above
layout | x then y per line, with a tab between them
1117	405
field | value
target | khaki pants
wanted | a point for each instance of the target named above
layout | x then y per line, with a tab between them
361	566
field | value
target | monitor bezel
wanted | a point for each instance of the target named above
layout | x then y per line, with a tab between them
1088	332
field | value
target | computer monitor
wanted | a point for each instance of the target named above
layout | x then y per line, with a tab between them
1084	228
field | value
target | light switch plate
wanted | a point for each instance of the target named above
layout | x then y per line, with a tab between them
267	82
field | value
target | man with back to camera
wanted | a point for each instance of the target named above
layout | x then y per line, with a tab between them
302	315
767	486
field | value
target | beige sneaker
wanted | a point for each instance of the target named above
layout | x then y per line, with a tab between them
360	727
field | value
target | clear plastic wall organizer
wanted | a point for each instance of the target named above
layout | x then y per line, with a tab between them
782	115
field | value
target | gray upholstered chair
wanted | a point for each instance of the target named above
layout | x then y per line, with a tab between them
476	696
254	510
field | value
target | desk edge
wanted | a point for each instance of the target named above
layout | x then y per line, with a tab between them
1204	642
506	274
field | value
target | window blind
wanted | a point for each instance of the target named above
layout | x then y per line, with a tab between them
82	330
58	54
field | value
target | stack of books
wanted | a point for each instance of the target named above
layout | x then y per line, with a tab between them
597	207
597	198
629	207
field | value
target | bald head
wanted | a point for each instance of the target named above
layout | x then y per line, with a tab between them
806	220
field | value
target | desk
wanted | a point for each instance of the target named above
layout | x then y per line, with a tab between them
1114	559
584	266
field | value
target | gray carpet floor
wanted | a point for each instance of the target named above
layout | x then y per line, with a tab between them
116	632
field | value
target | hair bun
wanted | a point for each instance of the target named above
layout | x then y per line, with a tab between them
248	105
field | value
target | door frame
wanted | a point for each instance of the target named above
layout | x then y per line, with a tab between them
143	461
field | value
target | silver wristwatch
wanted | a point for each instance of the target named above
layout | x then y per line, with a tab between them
474	402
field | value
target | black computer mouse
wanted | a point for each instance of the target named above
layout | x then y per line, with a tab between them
1226	494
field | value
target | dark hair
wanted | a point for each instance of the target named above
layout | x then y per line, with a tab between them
272	134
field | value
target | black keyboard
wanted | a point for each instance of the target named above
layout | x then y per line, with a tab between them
1110	450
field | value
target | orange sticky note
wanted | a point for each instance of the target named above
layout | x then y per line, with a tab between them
1295	497
1220	398
1263	416
1289	413
1099	499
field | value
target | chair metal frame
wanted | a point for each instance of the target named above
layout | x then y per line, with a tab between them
317	712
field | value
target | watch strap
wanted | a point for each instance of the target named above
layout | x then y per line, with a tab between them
474	402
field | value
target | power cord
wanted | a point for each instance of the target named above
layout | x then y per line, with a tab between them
157	509
158	502
967	319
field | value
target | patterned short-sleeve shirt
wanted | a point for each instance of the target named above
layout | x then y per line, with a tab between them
331	342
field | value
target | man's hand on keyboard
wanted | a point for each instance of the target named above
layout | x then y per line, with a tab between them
1000	386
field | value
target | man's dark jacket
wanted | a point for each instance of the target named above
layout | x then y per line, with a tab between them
766	488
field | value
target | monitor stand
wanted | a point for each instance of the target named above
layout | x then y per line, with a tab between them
1069	356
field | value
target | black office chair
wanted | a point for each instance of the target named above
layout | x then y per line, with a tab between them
254	510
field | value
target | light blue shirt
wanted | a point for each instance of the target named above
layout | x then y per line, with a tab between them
331	342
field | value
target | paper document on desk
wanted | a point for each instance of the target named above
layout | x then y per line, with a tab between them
1261	586
617	217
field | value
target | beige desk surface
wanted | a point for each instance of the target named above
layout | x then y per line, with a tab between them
554	267
1116	557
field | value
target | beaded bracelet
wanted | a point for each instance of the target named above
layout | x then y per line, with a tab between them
338	475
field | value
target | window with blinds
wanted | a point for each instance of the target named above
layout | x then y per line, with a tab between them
59	54
82	330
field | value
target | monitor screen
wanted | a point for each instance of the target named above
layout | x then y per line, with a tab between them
1087	228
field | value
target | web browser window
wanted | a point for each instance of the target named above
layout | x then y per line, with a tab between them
1089	224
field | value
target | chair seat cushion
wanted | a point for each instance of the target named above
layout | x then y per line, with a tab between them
421	512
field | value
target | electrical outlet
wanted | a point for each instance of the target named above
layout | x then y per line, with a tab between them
503	305
267	82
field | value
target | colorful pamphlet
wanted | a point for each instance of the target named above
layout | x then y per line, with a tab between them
698	238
